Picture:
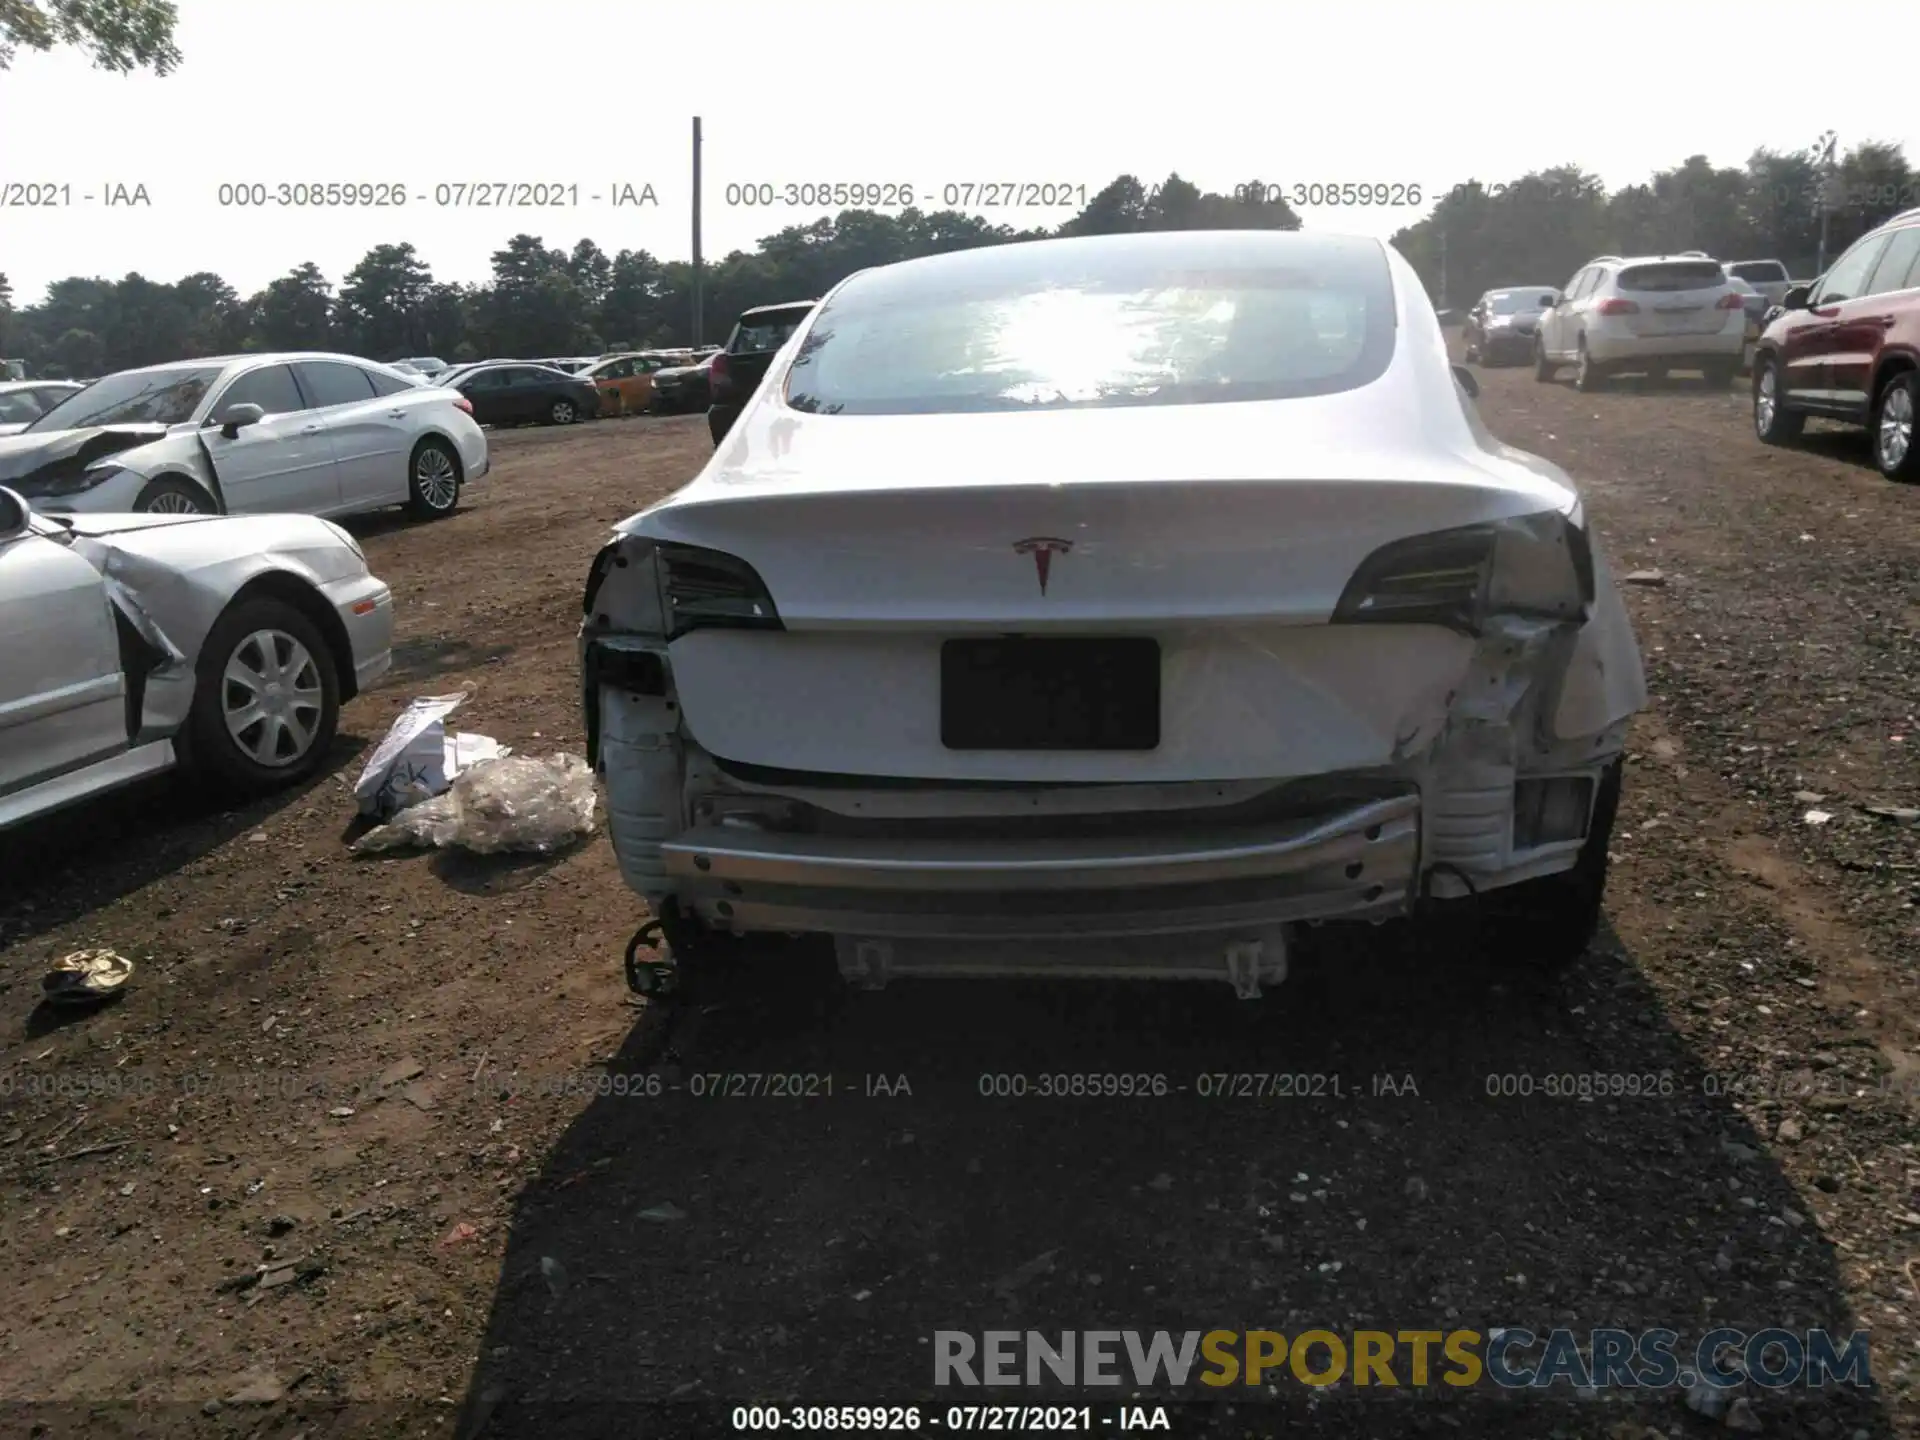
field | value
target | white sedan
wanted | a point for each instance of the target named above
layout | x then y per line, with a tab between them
1109	606
130	644
248	435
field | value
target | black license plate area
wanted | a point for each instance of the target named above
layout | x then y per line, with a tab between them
1079	693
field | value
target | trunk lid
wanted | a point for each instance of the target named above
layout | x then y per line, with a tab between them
1189	514
1223	533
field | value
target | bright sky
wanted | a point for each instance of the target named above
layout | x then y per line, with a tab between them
421	94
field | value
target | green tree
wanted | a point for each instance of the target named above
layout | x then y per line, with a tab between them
295	311
630	310
120	35
379	309
79	354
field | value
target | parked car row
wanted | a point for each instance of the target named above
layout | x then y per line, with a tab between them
1845	347
314	433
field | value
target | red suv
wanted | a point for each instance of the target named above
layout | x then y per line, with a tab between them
1847	348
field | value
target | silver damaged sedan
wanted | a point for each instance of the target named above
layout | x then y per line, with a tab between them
132	644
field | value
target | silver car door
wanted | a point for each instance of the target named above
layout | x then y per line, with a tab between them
282	464
364	435
62	692
403	410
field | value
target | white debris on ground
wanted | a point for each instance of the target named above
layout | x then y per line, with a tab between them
420	758
515	803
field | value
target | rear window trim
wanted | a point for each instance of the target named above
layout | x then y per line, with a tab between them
1711	273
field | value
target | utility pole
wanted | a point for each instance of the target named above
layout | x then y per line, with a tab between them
1823	158
699	297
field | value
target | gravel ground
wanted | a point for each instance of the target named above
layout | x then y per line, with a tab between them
357	1072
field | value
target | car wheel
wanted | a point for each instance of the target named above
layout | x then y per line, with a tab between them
433	480
1586	373
1548	923
173	497
1773	422
1543	368
1470	354
267	701
562	412
1893	423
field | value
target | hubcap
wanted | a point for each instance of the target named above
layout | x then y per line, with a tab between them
434	472
172	502
1763	402
563	412
1896	426
272	698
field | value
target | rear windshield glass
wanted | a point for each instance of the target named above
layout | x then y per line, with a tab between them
1513	302
17	408
1032	327
1759	271
135	397
765	334
1673	275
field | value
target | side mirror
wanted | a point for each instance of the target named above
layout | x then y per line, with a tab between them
14	514
1467	382
237	417
1796	297
1549	300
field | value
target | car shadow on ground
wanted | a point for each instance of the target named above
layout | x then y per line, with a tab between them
68	864
695	1240
421	662
1848	444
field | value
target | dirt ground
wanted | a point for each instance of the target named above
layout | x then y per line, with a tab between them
378	1077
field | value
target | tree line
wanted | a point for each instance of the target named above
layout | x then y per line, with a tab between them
1541	228
542	300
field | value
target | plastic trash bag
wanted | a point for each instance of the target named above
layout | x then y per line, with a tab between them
516	803
411	764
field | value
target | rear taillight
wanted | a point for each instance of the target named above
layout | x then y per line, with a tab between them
1617	307
461	402
706	589
1732	301
717	377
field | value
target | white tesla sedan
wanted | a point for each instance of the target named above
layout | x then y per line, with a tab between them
248	435
133	643
1111	606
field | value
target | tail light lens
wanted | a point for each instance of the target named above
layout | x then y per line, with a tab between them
1733	300
719	379
1617	306
1535	565
1438	579
461	402
707	589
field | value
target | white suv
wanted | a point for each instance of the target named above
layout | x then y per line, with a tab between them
1651	314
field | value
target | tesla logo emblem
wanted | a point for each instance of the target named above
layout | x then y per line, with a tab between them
1043	549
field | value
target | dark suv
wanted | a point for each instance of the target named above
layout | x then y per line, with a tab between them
1847	347
742	362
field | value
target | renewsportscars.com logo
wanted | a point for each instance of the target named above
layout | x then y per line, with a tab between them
1511	1358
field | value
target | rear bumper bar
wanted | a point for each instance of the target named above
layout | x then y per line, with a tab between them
1359	861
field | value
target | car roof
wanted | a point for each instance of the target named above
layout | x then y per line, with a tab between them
1504	289
782	307
276	357
1627	260
9	385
